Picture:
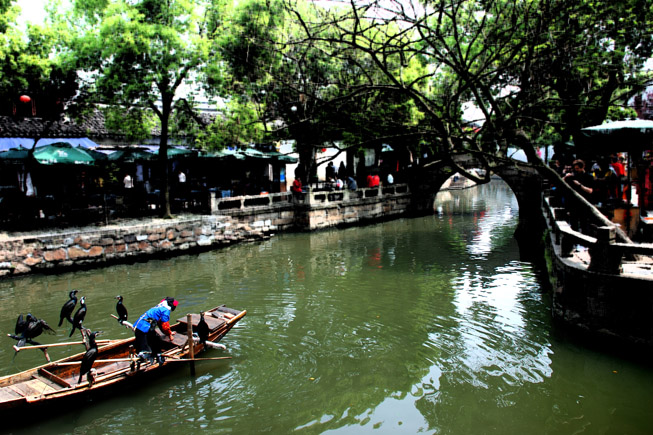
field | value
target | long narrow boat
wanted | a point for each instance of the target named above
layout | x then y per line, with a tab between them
115	366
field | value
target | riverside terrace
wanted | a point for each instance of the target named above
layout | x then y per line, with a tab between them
232	220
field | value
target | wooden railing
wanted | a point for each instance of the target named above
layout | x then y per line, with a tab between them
605	252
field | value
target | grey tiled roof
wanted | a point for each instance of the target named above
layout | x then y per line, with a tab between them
90	126
31	127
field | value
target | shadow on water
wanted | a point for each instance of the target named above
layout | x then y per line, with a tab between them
433	325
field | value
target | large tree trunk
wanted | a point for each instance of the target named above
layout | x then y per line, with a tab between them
163	160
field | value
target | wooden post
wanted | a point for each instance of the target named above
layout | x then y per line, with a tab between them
605	257
191	343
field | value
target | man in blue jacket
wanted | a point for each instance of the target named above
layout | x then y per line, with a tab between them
146	340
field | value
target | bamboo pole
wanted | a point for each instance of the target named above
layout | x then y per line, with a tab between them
192	361
71	363
69	343
125	323
191	342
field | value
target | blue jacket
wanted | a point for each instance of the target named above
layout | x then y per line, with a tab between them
159	314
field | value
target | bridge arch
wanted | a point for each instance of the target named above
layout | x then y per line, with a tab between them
524	181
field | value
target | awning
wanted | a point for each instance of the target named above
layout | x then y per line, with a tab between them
14	142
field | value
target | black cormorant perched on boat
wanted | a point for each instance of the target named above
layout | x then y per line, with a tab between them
121	310
202	329
27	328
36	327
78	320
21	328
90	356
68	307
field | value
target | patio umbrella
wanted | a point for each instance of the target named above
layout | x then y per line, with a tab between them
631	135
253	152
14	155
131	155
97	155
178	152
62	153
222	154
283	157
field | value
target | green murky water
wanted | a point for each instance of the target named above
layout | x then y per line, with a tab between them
429	325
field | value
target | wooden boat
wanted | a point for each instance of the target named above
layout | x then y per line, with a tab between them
116	365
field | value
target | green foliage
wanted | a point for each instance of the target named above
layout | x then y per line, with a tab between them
616	113
148	58
537	70
33	64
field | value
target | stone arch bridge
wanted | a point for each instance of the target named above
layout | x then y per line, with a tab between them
525	182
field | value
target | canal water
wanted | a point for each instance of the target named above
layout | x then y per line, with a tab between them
428	325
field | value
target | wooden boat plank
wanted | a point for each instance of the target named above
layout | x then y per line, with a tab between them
52	385
6	394
32	387
53	378
212	322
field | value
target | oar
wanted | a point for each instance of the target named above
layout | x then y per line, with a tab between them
196	359
69	343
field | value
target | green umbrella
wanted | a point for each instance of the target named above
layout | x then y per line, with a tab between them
14	155
131	155
62	153
630	135
283	157
97	155
253	152
178	152
222	154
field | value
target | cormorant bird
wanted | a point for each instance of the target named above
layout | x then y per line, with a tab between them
202	329
121	310
21	327
90	356
68	307
78	320
35	328
27	329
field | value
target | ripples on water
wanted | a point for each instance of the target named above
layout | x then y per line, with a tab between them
419	325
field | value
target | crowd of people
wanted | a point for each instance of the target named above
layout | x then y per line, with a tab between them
341	179
604	184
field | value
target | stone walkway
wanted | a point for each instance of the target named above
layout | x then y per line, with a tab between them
114	224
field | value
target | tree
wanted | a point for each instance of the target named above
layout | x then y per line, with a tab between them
145	58
534	69
34	67
292	87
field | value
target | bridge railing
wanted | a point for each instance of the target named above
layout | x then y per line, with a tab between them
311	197
317	197
232	203
606	254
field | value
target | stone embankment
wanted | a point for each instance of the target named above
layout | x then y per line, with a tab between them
232	220
130	241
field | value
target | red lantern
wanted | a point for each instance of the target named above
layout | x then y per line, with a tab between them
25	98
324	150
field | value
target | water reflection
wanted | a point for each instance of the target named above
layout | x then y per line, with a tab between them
417	325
